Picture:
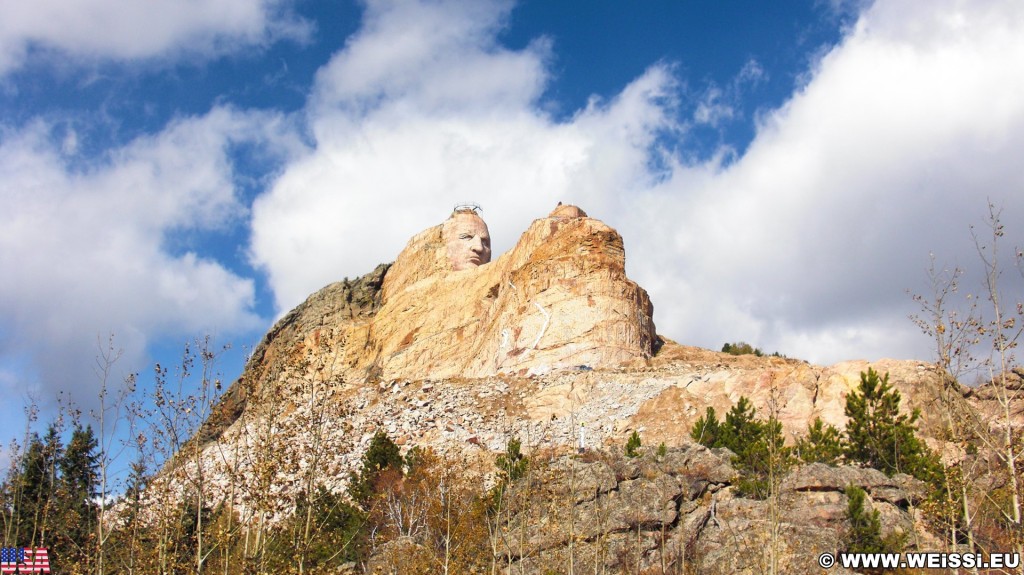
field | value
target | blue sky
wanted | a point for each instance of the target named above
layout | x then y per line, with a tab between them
780	171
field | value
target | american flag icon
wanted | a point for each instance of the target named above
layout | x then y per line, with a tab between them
24	560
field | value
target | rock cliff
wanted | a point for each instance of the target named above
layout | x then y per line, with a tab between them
560	298
681	513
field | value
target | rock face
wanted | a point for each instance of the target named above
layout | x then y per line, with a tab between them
681	513
548	337
560	298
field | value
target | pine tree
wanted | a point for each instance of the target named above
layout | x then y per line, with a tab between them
878	435
823	444
337	533
762	457
129	539
77	489
633	445
512	464
707	430
381	456
740	429
36	480
865	528
758	446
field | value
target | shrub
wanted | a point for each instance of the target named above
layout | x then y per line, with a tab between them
512	464
741	348
758	445
633	445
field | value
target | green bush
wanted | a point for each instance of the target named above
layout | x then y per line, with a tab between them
741	348
381	456
512	464
633	445
325	530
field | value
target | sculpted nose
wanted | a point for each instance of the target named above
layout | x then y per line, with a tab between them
476	244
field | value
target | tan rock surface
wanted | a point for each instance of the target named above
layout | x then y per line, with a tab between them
559	299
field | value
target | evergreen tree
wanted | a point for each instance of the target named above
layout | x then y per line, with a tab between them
335	534
823	444
633	445
80	464
865	528
878	435
763	456
740	429
76	490
512	464
35	483
741	348
865	535
758	446
707	430
381	456
129	538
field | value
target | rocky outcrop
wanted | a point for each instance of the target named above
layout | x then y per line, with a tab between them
472	419
341	306
681	513
799	391
559	299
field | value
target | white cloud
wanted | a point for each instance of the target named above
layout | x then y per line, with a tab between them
420	110
129	29
85	250
805	244
808	242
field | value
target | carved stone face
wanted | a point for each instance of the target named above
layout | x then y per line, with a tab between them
467	241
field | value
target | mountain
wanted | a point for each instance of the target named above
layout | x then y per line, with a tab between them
551	345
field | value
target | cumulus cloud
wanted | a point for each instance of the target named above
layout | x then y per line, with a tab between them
423	109
809	241
805	244
85	251
128	29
